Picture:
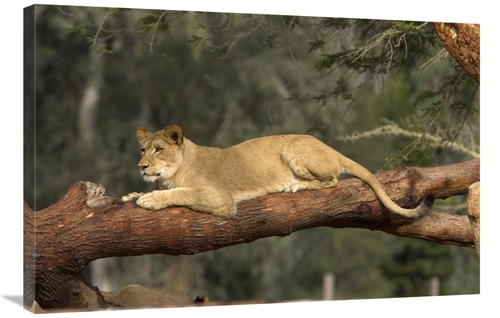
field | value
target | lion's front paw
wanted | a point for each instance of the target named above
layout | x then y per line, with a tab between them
150	201
132	196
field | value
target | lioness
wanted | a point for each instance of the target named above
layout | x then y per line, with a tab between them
213	180
137	296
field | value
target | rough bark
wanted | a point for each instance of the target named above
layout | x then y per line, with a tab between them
63	238
473	212
462	41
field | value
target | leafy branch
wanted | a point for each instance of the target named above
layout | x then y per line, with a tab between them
443	53
156	28
366	56
394	130
394	37
228	46
102	48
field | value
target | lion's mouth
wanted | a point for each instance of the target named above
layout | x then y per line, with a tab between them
145	174
150	177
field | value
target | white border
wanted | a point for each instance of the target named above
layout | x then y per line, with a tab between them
424	10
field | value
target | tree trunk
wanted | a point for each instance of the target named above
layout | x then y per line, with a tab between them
90	101
473	212
63	238
462	41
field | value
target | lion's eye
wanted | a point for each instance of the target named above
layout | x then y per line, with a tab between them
158	149
142	151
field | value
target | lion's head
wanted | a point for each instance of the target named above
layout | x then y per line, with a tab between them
161	154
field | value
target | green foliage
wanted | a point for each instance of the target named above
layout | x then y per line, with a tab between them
291	22
273	40
119	10
403	26
334	23
100	48
221	50
78	28
412	267
196	40
422	154
380	46
164	58
315	45
150	22
342	89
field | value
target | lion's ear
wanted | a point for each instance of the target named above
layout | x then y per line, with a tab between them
174	134
142	134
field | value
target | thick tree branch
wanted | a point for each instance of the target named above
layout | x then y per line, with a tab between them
474	214
68	235
462	41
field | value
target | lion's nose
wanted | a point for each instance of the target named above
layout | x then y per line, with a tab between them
143	167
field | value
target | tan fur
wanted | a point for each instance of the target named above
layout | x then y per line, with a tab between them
137	296
213	180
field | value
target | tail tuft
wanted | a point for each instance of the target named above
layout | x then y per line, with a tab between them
429	201
426	205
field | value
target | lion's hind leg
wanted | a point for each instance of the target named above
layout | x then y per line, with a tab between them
313	164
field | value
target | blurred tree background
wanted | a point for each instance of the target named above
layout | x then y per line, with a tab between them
384	93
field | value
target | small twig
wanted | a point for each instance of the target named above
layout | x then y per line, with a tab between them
434	60
238	37
393	129
151	43
443	106
96	37
64	12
